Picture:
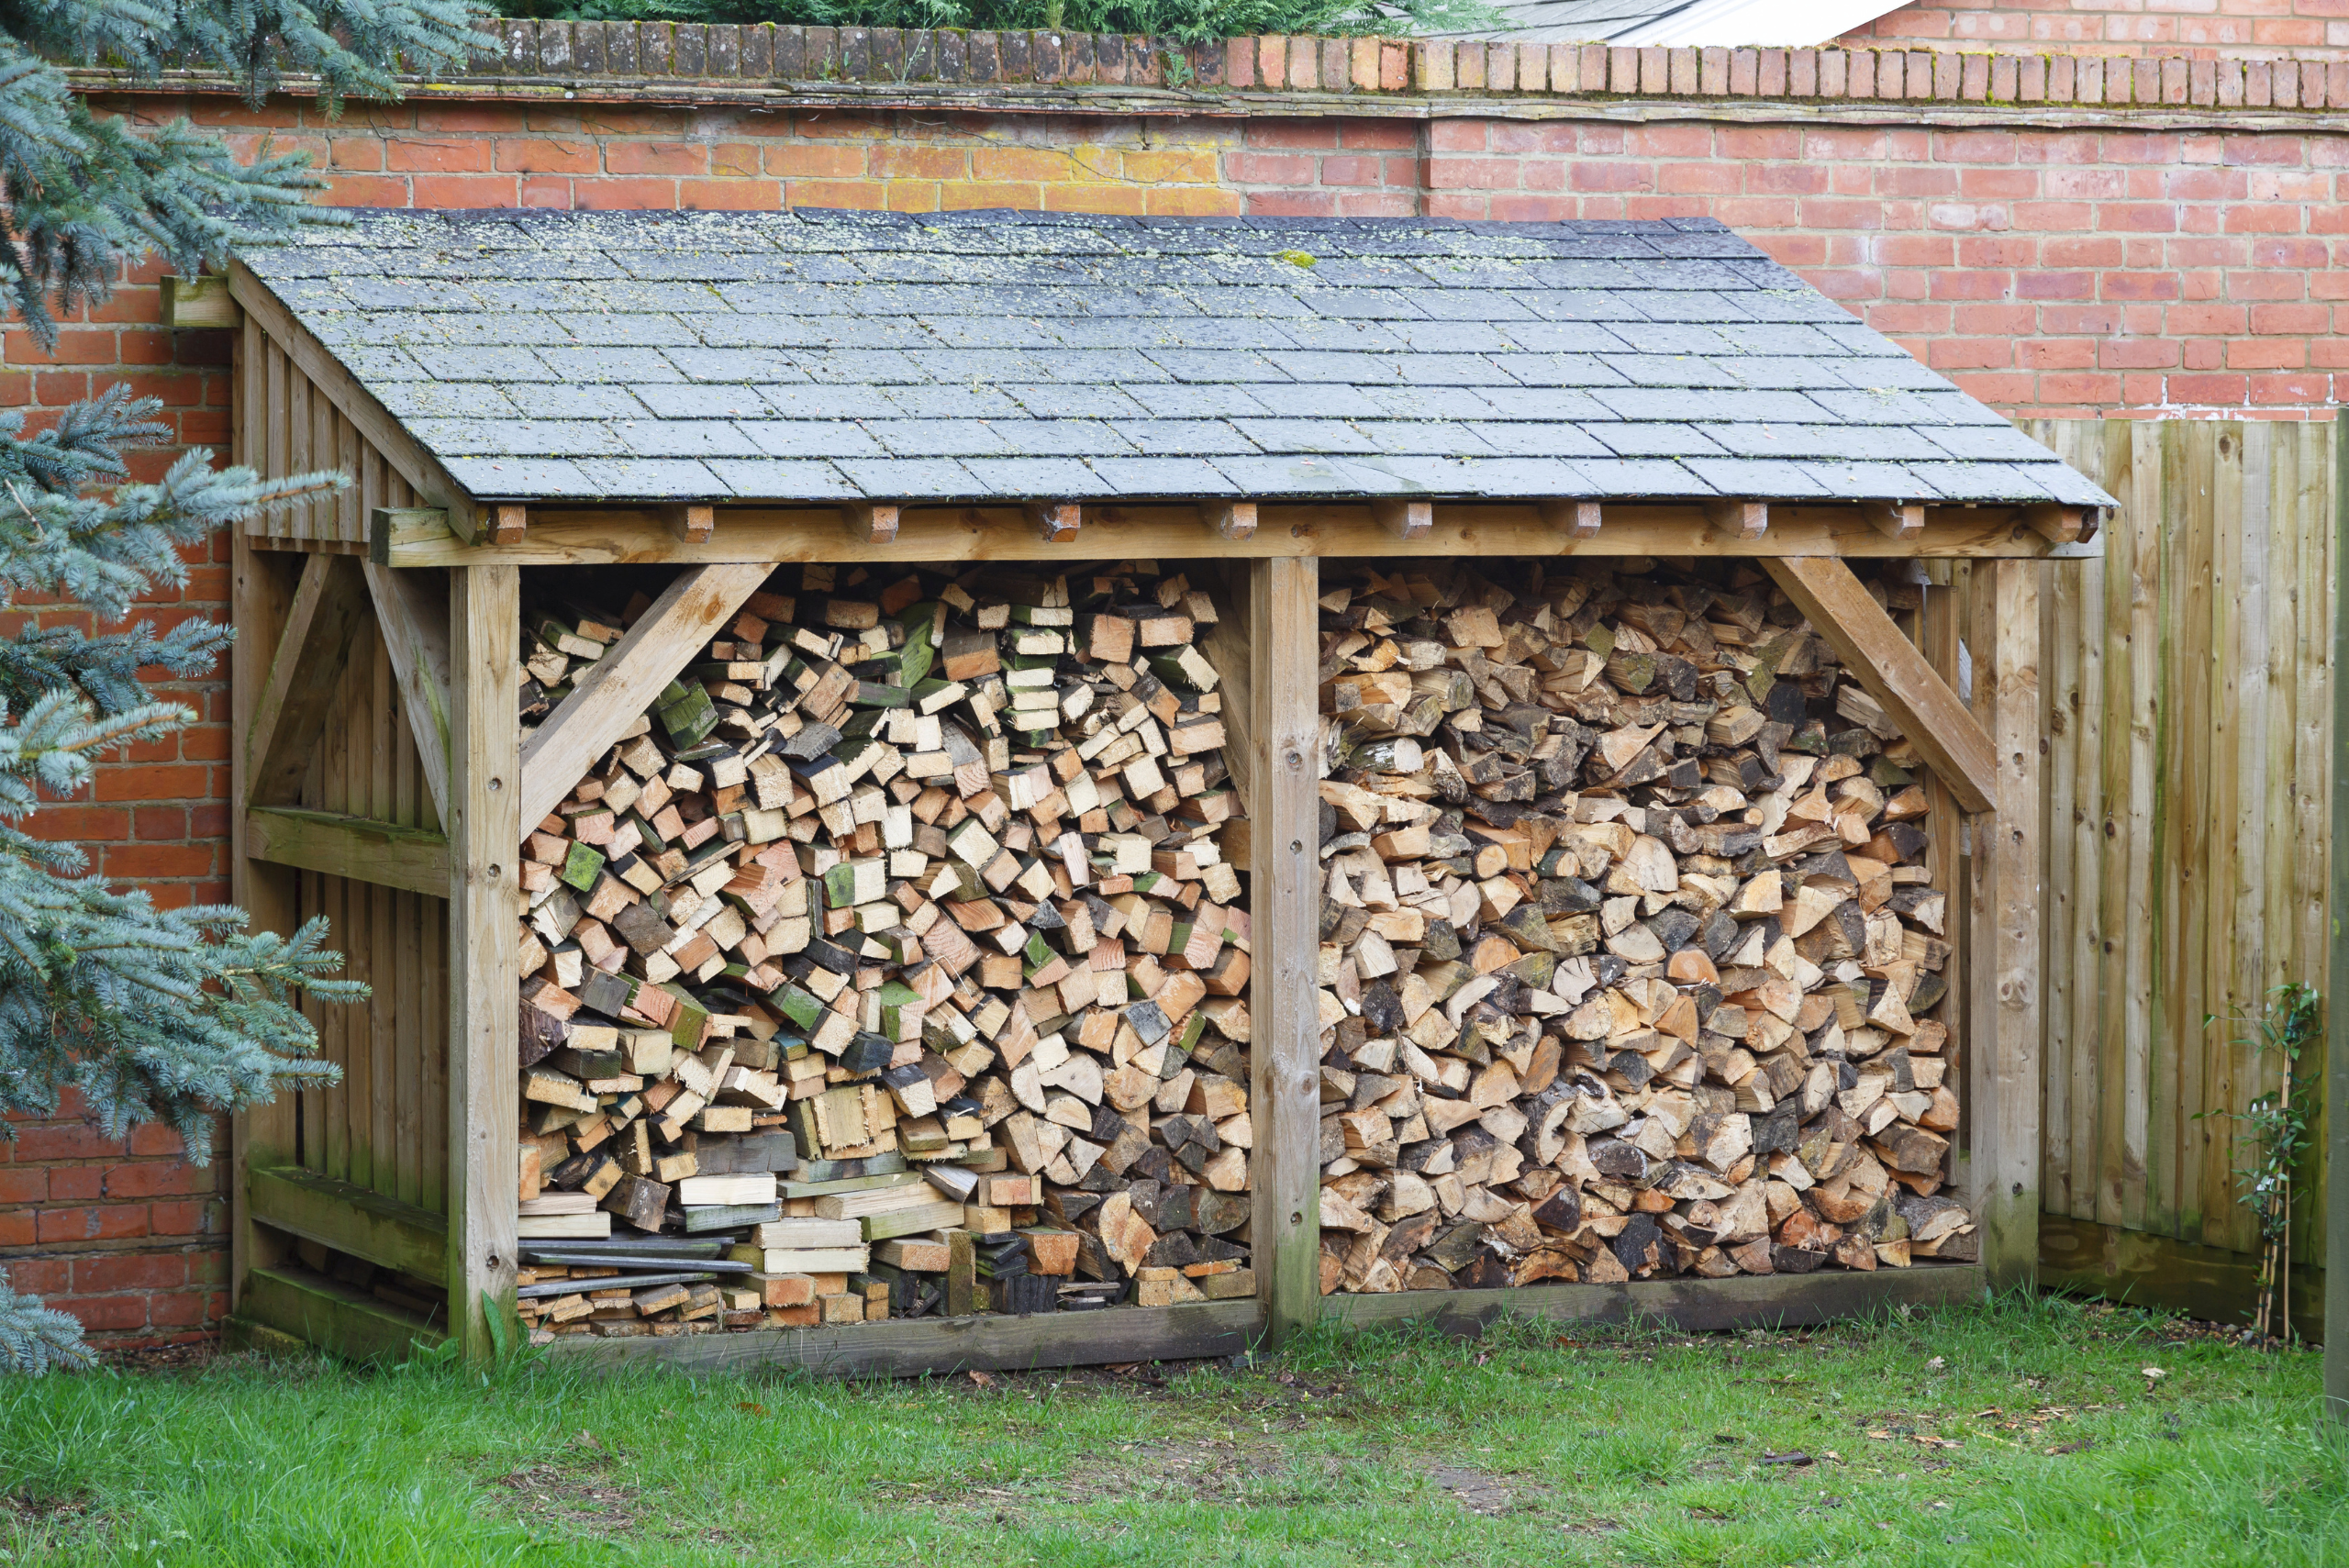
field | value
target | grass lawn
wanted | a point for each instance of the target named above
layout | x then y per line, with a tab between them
2019	1433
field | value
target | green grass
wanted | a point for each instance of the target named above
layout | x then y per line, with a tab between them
2016	1434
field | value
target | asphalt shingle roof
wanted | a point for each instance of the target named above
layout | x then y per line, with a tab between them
818	356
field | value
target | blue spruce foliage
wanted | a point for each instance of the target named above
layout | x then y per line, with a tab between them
150	1014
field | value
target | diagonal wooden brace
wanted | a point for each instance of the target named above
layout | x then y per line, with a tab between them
618	687
1893	670
303	676
412	608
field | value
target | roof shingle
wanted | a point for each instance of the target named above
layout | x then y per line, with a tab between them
815	356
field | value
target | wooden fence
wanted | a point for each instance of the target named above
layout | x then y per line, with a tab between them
2187	677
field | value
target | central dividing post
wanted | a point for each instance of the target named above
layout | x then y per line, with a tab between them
484	903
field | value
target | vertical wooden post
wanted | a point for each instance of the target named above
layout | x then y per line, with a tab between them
484	902
266	1135
1941	627
259	596
1286	1050
2336	1016
2002	1067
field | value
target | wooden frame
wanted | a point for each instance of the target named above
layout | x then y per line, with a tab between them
434	622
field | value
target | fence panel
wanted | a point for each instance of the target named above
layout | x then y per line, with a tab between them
2188	694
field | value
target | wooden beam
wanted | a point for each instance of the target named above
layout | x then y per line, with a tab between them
1901	520
304	674
1688	1304
907	1347
692	522
352	1219
199	301
2057	525
871	522
2211	1284
382	854
507	523
1576	519
333	1317
615	690
1284	1054
1404	519
1230	520
621	535
1890	669
1744	520
386	435
2003	946
412	611
1056	521
399	529
485	906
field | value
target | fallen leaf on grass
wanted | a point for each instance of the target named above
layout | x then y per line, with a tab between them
753	1405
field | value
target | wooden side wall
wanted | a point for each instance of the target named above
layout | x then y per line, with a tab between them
384	1125
303	433
2188	679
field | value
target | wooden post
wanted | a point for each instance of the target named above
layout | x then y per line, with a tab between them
2336	1017
2002	1059
484	903
1283	922
260	597
266	1135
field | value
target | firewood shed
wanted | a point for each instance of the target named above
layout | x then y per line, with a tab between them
1601	486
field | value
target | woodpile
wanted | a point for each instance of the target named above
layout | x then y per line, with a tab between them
889	964
1632	940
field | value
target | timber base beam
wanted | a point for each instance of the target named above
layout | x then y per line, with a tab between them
332	1316
911	1347
1697	1306
2080	1257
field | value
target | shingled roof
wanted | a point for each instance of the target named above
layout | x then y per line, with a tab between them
819	356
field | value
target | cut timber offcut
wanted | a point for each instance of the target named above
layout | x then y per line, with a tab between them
900	917
1630	952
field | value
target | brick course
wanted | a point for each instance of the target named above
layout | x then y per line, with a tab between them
2201	29
2064	258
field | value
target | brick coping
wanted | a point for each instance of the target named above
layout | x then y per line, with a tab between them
1257	75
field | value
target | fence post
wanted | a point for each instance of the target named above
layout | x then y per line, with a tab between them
2336	1026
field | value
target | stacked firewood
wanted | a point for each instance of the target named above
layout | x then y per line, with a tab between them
889	964
1630	941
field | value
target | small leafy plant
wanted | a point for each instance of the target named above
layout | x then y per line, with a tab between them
2273	1139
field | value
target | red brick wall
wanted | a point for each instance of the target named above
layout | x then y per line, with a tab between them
2212	29
125	1234
2072	273
2095	270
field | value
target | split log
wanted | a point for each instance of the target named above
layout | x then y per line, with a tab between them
1630	952
901	912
